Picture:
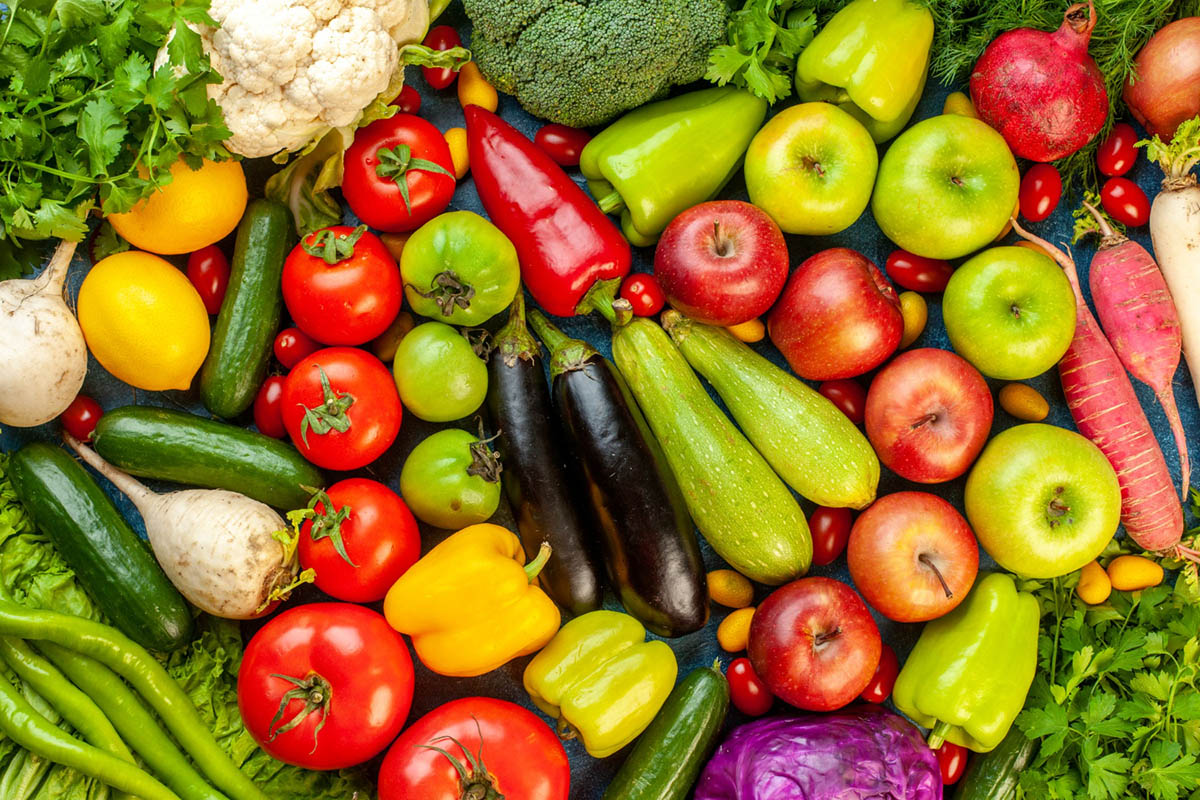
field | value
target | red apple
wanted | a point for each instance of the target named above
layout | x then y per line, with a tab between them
814	643
913	557
928	415
722	262
837	317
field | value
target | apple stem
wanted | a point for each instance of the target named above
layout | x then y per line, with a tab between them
826	636
722	246
927	561
925	420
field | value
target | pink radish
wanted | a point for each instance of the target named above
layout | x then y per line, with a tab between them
1106	410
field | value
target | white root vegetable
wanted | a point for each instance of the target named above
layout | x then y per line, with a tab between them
219	548
42	350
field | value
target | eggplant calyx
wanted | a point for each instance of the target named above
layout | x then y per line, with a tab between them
514	342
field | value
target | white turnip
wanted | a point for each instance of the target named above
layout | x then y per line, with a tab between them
41	346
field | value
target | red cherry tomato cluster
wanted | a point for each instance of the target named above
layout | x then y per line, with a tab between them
1041	189
884	679
1117	153
644	294
848	395
1125	202
208	270
440	37
747	692
562	143
830	529
918	273
79	419
952	759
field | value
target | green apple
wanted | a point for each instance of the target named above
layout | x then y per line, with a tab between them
811	167
1010	311
946	187
1042	500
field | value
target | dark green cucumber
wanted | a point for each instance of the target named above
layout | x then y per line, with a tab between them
993	775
249	317
180	447
113	564
668	757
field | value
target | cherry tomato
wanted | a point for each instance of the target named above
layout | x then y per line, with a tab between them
80	418
1125	202
918	273
746	690
849	396
1117	153
293	345
208	270
644	294
408	101
440	37
884	679
1041	189
268	413
952	759
830	529
562	143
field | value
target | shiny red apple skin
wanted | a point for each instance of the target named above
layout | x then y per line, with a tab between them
928	415
895	546
838	317
814	643
722	262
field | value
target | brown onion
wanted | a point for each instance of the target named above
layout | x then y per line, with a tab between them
1166	90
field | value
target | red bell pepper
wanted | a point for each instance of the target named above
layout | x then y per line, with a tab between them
569	249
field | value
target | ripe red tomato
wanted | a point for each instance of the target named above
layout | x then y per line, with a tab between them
408	101
341	408
292	345
849	396
830	529
1041	189
360	541
1117	153
952	759
1125	202
562	143
80	418
440	37
918	273
884	679
342	286
644	294
208	270
747	692
268	411
398	173
311	655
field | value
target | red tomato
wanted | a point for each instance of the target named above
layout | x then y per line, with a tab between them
1125	202
359	542
342	286
268	413
644	294
747	692
325	651
341	408
1041	188
952	759
292	345
848	395
398	173
440	37
208	270
408	101
918	273
830	529
1117	153
884	679
562	143
80	418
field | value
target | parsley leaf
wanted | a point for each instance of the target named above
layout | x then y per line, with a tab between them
764	39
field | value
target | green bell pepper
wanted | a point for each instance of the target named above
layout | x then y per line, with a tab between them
969	674
665	157
871	58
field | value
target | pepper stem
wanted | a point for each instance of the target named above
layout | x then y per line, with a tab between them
534	568
611	203
937	736
600	297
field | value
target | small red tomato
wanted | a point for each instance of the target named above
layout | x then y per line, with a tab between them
1041	189
293	345
440	37
81	416
644	294
562	143
880	687
1117	153
830	528
268	413
918	273
408	101
848	395
1125	202
746	690
208	270
952	759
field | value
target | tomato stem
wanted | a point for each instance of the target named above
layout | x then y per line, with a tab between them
317	695
330	415
448	291
332	247
396	162
476	783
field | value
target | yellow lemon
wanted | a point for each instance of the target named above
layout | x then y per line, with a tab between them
196	209
143	321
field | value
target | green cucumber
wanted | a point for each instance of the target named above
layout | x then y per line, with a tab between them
176	446
993	775
668	757
249	317
810	443
113	564
738	502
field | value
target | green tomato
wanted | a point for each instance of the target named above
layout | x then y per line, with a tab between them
438	374
451	480
459	268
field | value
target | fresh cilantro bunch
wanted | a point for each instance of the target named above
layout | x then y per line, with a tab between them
85	116
765	38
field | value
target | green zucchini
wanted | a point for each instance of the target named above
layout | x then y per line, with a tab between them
993	775
180	447
810	443
249	317
738	502
668	757
113	564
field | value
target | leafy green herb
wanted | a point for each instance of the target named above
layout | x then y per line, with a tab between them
765	39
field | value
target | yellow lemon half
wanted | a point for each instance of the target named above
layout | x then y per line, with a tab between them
196	209
143	321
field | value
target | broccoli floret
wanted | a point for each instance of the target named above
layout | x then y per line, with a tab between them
583	62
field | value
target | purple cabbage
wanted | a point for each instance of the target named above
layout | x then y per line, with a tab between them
859	753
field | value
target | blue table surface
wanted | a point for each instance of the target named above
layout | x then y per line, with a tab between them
589	776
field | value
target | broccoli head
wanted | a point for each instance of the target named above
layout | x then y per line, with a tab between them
583	62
